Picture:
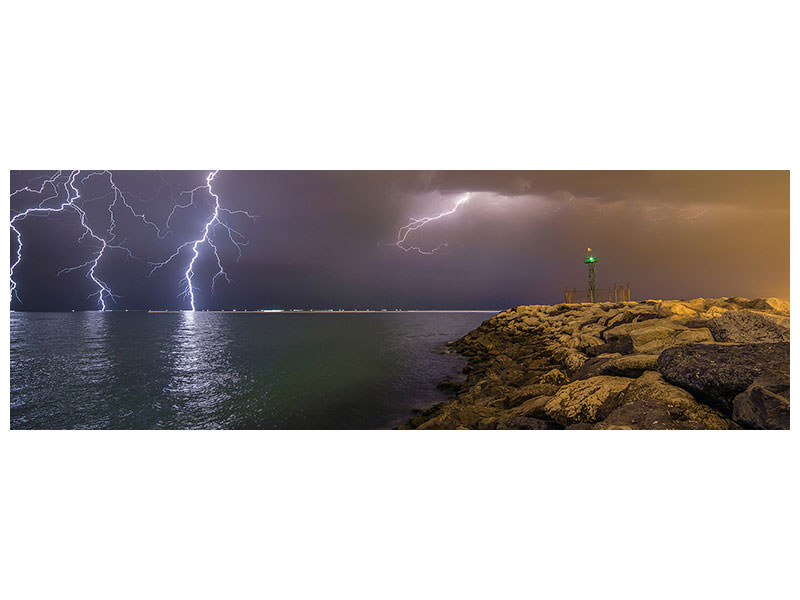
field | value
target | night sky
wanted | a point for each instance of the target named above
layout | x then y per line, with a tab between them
325	239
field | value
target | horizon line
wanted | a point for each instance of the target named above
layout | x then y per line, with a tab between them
274	311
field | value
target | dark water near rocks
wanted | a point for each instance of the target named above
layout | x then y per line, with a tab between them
205	370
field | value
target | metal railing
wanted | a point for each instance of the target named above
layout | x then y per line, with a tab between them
617	293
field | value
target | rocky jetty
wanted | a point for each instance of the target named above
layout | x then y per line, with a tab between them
707	363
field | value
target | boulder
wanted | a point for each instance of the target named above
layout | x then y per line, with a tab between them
644	317
746	327
457	416
587	341
737	302
425	415
531	322
591	317
652	339
533	407
782	320
594	366
554	377
765	403
526	393
569	357
653	336
516	422
632	365
622	331
451	385
715	373
775	305
696	323
574	360
619	331
620	345
651	403
714	311
515	376
620	318
678	308
585	401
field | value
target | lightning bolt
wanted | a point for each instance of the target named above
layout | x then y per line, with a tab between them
208	238
72	195
46	183
119	198
418	223
64	189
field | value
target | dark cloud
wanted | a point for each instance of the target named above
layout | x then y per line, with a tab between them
683	188
324	239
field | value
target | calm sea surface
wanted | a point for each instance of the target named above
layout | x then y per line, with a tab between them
206	370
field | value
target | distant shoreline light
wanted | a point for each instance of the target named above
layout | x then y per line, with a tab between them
326	311
273	311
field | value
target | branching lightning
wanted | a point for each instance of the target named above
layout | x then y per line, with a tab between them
72	195
60	194
414	224
119	197
208	231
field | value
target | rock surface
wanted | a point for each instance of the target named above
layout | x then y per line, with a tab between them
765	403
651	337
657	364
651	403
715	373
746	327
632	365
586	401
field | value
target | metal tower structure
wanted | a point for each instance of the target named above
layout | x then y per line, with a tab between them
591	261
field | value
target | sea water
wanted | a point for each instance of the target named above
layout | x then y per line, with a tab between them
135	370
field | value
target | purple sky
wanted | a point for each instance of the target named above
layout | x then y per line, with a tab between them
325	239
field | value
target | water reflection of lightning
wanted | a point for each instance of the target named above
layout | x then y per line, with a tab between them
70	203
207	237
418	223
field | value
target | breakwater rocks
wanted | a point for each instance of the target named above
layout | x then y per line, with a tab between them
719	363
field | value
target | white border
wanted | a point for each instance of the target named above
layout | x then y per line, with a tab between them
388	514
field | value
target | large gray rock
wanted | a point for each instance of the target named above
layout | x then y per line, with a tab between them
715	373
746	327
765	403
651	403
